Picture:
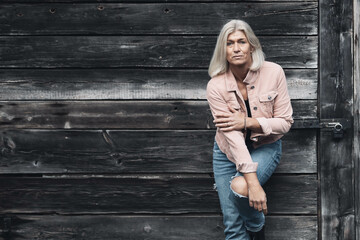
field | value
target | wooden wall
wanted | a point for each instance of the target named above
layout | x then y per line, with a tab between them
105	129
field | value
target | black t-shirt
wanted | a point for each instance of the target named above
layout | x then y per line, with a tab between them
248	142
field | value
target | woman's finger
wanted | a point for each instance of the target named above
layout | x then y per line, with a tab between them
264	207
232	109
256	206
225	124
221	120
222	115
227	129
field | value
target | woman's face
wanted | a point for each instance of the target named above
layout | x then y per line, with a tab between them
238	50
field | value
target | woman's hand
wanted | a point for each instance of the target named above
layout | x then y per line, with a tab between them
230	121
257	196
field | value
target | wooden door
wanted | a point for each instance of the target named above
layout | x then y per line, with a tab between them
336	99
106	133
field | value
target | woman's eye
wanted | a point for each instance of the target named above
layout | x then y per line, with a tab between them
229	44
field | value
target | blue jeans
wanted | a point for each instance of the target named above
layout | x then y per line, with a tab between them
238	216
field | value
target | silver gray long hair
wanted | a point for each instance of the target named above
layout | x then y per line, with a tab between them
219	64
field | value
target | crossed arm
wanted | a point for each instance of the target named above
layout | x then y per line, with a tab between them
248	185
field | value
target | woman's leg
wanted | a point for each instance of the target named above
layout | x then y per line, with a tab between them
268	157
223	170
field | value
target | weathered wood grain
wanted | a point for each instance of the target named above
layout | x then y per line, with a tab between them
336	101
356	149
209	227
291	227
145	1
299	152
40	151
337	194
171	194
141	51
81	84
121	114
295	18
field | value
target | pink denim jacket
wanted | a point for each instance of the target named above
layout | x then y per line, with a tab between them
269	103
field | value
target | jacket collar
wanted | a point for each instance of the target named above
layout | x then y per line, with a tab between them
230	80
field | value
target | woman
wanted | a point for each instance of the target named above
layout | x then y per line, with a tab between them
251	106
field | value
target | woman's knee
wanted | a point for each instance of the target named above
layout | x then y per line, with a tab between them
239	185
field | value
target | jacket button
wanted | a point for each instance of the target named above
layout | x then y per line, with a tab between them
269	97
255	108
252	87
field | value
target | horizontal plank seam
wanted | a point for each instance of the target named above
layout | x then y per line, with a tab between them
128	68
146	2
148	35
175	214
123	100
146	215
129	175
122	129
129	129
145	68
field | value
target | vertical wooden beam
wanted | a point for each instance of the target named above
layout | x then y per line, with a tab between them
336	101
356	114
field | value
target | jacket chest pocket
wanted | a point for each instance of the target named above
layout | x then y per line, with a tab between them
267	101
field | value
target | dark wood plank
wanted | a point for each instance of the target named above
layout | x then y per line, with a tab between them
291	227
145	1
299	152
336	101
278	192
121	114
169	193
141	51
80	84
295	18
39	151
337	194
206	227
356	154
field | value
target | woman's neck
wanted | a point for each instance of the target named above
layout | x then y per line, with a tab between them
240	72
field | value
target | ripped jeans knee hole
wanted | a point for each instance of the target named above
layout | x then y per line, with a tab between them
236	193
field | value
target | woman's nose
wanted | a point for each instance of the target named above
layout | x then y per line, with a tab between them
236	48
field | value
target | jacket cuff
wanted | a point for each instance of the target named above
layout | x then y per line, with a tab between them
247	167
265	127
